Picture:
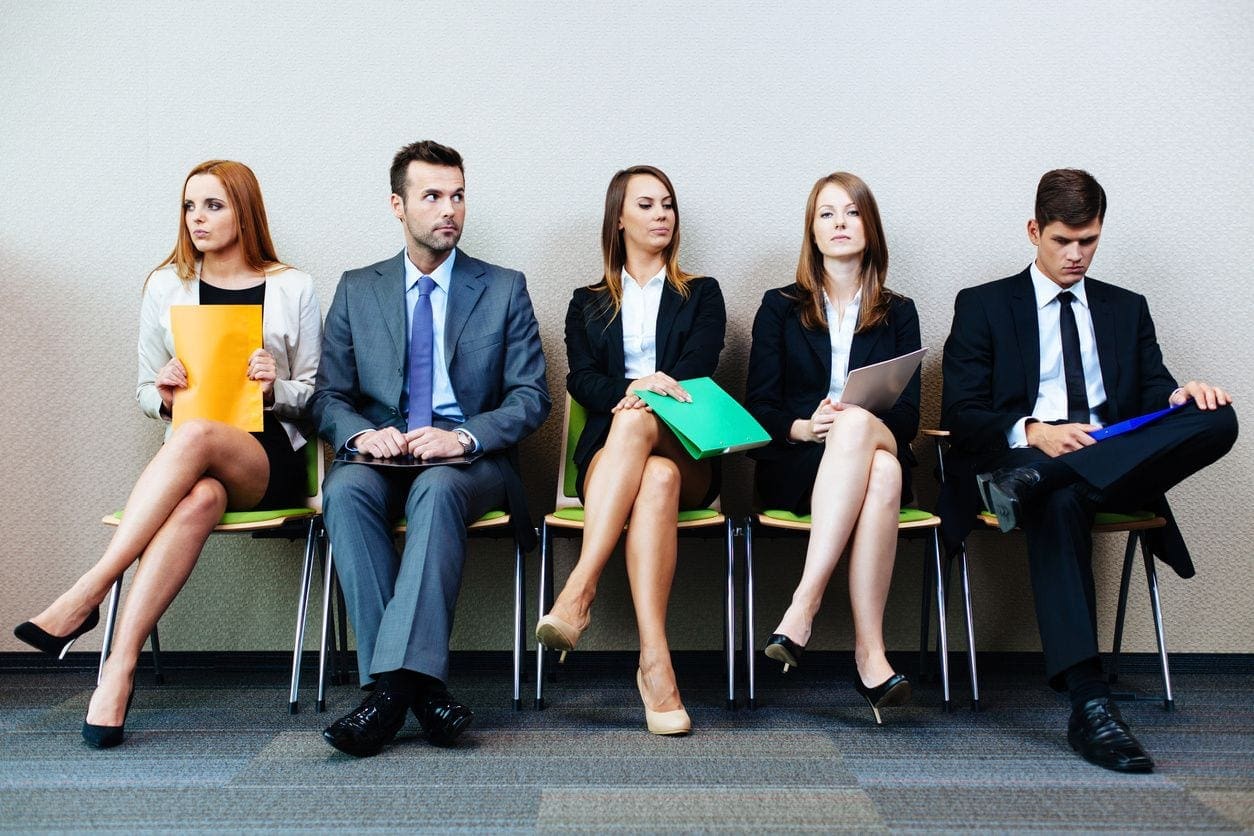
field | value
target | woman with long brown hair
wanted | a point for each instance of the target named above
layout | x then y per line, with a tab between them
644	325
223	255
847	468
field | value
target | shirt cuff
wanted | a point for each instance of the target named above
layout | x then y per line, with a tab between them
348	445
1178	390
477	447
1017	435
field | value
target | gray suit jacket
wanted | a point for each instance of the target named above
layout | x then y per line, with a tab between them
491	341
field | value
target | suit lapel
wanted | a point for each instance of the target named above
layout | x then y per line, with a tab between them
389	291
1027	329
820	342
1105	335
861	348
668	309
465	288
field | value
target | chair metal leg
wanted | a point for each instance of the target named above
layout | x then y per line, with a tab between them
729	614
154	641
111	618
1151	579
966	601
925	617
1129	554
749	615
545	579
344	657
302	611
520	610
328	580
942	637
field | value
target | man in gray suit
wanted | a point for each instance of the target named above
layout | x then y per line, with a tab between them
429	354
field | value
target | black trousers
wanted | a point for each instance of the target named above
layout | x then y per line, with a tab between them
1131	472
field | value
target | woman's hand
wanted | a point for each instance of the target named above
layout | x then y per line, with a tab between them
172	376
661	383
261	367
815	428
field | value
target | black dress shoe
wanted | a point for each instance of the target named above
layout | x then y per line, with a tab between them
106	737
783	649
1004	492
1098	733
368	728
441	717
56	646
892	691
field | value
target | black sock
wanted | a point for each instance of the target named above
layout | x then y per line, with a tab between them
404	683
1085	682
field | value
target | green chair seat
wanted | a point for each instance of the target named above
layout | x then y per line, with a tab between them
576	514
247	517
905	515
491	515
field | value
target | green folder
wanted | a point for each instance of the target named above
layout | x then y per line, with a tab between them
713	424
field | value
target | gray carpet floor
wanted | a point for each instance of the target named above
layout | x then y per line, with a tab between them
214	749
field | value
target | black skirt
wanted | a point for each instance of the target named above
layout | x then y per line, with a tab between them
286	488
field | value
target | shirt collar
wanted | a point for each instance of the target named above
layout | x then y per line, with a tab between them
443	275
1047	291
658	278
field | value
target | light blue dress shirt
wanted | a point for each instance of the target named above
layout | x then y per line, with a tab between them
443	400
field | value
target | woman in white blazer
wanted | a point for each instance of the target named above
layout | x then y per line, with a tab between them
223	255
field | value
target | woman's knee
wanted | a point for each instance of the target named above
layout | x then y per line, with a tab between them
634	424
884	483
853	429
194	434
206	500
660	478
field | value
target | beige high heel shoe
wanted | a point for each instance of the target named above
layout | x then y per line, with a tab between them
556	634
663	722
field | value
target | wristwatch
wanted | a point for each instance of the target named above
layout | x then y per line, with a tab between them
468	441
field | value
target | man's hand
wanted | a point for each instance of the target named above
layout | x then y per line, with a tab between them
382	444
1202	394
429	443
1056	439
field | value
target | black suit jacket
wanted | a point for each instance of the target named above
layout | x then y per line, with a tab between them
689	338
790	369
992	377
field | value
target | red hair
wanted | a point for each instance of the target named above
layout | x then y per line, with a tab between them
243	193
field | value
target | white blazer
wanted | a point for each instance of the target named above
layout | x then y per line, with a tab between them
291	331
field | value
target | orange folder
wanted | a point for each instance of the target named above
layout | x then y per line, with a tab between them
214	343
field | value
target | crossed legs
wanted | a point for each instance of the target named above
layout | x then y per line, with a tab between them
855	498
642	474
203	469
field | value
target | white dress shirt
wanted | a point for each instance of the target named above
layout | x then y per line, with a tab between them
841	333
443	400
1051	398
639	313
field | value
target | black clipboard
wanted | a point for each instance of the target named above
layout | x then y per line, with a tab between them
404	462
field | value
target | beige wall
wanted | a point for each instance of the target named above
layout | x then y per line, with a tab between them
950	111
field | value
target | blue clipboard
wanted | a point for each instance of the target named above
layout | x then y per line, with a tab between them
1132	423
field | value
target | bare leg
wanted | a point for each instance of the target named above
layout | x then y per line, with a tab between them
651	553
612	485
840	489
195	450
166	563
871	567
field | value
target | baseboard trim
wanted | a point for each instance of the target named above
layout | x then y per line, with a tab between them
492	660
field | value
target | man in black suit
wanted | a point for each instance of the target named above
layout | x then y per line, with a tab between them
1033	364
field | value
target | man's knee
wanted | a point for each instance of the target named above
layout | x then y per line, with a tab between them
446	488
353	488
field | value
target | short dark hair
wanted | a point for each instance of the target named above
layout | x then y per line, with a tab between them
1071	196
425	151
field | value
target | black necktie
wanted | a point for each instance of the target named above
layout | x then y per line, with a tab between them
1072	364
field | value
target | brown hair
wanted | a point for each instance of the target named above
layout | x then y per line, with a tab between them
872	272
425	151
1071	196
614	250
243	192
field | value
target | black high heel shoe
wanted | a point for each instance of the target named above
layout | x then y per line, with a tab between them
106	737
892	691
783	649
56	646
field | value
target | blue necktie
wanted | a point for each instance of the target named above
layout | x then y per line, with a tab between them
1072	362
421	357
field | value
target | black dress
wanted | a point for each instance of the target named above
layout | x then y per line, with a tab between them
286	488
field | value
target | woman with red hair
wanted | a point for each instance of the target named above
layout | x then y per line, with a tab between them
223	255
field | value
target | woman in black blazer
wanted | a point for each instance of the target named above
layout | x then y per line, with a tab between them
644	326
848	468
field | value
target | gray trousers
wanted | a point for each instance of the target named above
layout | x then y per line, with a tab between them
401	605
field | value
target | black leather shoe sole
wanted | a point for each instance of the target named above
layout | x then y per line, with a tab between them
1102	756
